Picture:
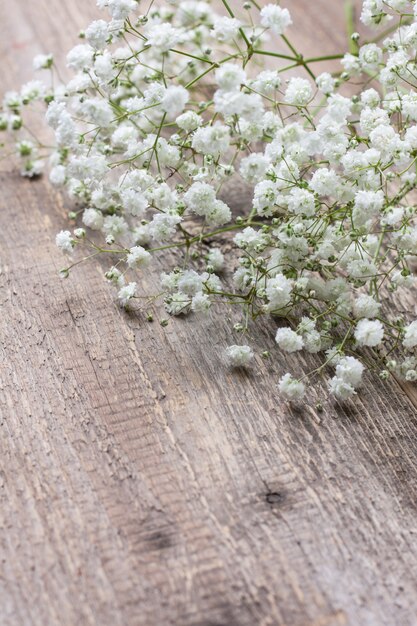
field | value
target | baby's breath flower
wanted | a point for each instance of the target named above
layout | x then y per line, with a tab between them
288	340
291	388
239	356
43	61
169	110
65	242
275	18
410	336
369	332
298	92
341	389
138	257
225	29
126	293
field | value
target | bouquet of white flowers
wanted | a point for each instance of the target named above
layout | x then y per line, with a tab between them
170	104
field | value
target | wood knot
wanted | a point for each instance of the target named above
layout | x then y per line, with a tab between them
275	498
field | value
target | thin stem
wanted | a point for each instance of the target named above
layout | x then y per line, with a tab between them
350	26
275	54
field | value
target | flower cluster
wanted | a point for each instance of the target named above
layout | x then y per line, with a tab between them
169	106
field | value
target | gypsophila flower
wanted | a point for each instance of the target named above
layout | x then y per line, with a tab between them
288	340
43	61
291	388
216	260
200	303
64	241
126	293
366	306
239	356
275	18
298	92
326	83
225	29
93	219
97	34
410	336
173	139
369	332
341	389
350	370
138	257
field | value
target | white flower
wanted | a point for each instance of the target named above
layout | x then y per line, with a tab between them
190	283
266	82
253	167
225	29
239	356
115	226
163	226
200	303
32	168
369	332
55	113
324	181
410	336
341	389
350	370
219	215
366	306
275	18
278	291
371	98
215	258
57	175
164	36
301	201
229	76
250	239
43	61
370	56
174	100
178	304
64	241
298	92
265	197
373	13
212	140
97	33
312	341
33	90
93	219
200	198
291	388
326	83
118	9
138	257
189	121
288	340
134	202
80	57
126	293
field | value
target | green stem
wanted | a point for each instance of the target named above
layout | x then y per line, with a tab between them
350	26
274	54
207	71
331	57
192	56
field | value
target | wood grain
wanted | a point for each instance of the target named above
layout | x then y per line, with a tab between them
141	482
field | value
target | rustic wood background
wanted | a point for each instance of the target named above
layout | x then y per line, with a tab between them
141	482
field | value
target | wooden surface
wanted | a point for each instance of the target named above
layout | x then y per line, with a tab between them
141	482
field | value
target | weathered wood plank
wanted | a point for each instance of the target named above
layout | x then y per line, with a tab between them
142	483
